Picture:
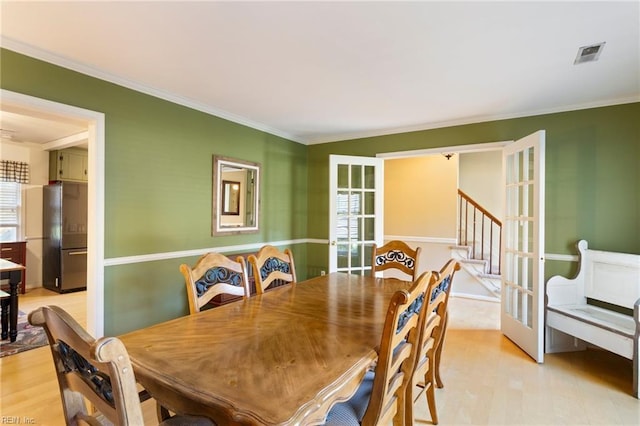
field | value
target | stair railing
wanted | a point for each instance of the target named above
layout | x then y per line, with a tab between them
479	230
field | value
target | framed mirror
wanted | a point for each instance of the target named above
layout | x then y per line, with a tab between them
236	196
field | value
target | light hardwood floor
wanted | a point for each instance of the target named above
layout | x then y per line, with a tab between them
30	390
488	380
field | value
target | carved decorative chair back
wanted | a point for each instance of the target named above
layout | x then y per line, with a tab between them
272	267
214	274
96	370
380	398
396	255
433	321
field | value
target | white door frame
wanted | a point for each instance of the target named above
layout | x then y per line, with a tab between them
461	149
30	105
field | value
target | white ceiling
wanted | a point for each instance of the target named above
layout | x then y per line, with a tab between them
18	125
324	71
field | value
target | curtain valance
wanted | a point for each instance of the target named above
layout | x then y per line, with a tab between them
14	171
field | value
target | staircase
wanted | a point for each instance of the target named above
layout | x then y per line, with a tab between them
478	250
474	279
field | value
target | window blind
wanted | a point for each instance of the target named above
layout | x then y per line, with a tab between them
9	211
9	204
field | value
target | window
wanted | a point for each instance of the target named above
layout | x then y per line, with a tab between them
10	202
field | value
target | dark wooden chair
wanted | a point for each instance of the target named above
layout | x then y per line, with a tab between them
396	255
433	326
214	274
98	371
380	398
272	267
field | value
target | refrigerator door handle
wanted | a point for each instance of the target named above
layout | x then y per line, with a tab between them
77	253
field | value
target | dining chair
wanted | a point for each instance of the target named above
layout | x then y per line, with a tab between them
445	275
212	275
99	371
432	320
397	255
272	267
380	398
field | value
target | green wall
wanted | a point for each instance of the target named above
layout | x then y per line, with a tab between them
592	173
158	181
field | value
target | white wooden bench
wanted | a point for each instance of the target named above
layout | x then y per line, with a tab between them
609	277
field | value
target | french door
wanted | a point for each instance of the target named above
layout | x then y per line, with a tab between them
356	210
522	312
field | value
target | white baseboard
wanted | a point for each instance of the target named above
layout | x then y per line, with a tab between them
414	239
475	297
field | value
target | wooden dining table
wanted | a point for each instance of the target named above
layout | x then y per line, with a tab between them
9	304
280	358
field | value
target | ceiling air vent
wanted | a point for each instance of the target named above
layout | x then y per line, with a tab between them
589	53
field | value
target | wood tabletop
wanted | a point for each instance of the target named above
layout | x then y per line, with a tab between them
284	357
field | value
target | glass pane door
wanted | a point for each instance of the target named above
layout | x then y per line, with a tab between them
356	211
522	317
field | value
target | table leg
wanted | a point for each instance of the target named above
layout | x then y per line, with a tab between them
4	315
14	279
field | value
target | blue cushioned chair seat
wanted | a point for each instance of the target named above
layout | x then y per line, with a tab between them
352	411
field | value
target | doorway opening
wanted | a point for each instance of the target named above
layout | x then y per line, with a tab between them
522	247
425	213
30	106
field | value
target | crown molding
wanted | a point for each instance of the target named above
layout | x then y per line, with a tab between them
63	62
468	120
52	58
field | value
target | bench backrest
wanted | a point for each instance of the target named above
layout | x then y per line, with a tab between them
610	277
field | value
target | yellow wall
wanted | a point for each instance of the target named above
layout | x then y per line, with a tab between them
420	196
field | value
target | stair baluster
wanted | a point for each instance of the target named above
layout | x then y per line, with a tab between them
469	231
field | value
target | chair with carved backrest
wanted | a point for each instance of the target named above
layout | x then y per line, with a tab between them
96	370
380	397
272	267
445	275
396	255
433	320
212	275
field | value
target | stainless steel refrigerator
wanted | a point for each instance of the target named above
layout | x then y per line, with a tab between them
64	254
